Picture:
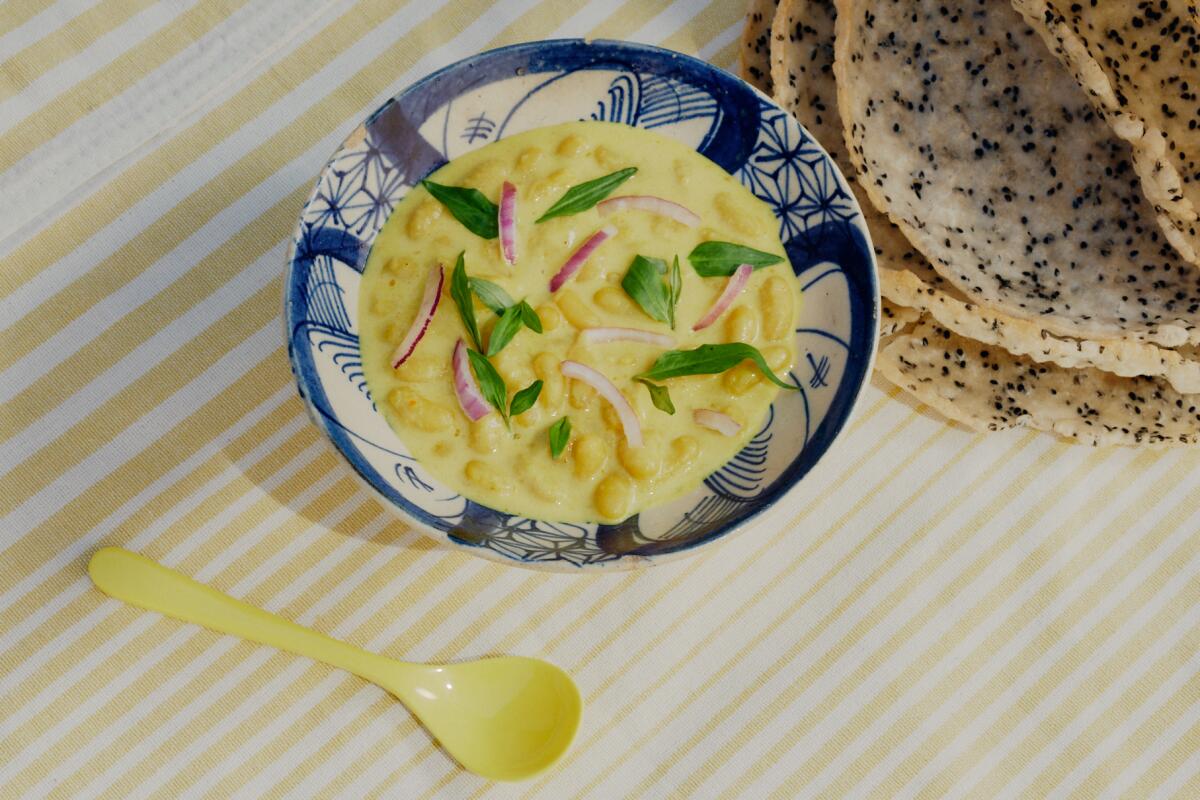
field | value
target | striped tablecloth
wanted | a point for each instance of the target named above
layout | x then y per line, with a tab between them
940	613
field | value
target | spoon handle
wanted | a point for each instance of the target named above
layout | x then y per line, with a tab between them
141	582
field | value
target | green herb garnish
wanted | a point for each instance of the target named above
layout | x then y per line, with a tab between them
658	395
714	259
643	283
468	206
492	295
674	290
491	385
585	195
510	322
709	359
460	291
560	434
506	328
530	317
523	400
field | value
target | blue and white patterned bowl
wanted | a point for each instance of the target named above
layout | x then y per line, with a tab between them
503	92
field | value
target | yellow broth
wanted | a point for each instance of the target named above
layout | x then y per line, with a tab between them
598	477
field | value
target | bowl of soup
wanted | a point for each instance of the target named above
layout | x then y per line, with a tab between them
579	304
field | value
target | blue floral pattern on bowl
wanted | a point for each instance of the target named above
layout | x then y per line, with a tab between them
513	89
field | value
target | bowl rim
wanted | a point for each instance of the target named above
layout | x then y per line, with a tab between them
838	422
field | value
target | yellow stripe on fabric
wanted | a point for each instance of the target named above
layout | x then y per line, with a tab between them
634	15
107	348
1146	640
1190	790
727	56
856	633
368	758
966	667
151	676
402	734
780	578
1114	719
1013	714
325	757
316	716
254	387
196	685
1034	608
18	12
949	594
1167	764
107	203
26	66
142	395
705	26
343	490
40	595
1135	744
111	79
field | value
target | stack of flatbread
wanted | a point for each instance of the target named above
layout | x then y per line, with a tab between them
1030	174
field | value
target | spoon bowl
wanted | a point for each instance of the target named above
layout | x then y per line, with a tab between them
505	718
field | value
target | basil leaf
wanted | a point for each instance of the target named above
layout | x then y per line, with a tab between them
658	395
643	284
709	359
674	290
460	290
468	206
713	259
585	195
523	400
492	295
491	385
506	328
530	317
560	434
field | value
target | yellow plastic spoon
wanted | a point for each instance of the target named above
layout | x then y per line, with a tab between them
504	718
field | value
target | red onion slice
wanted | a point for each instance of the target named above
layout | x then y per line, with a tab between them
467	390
429	304
629	420
716	421
733	287
655	205
602	335
579	256
508	223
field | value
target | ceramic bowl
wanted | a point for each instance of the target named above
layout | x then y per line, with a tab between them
513	89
